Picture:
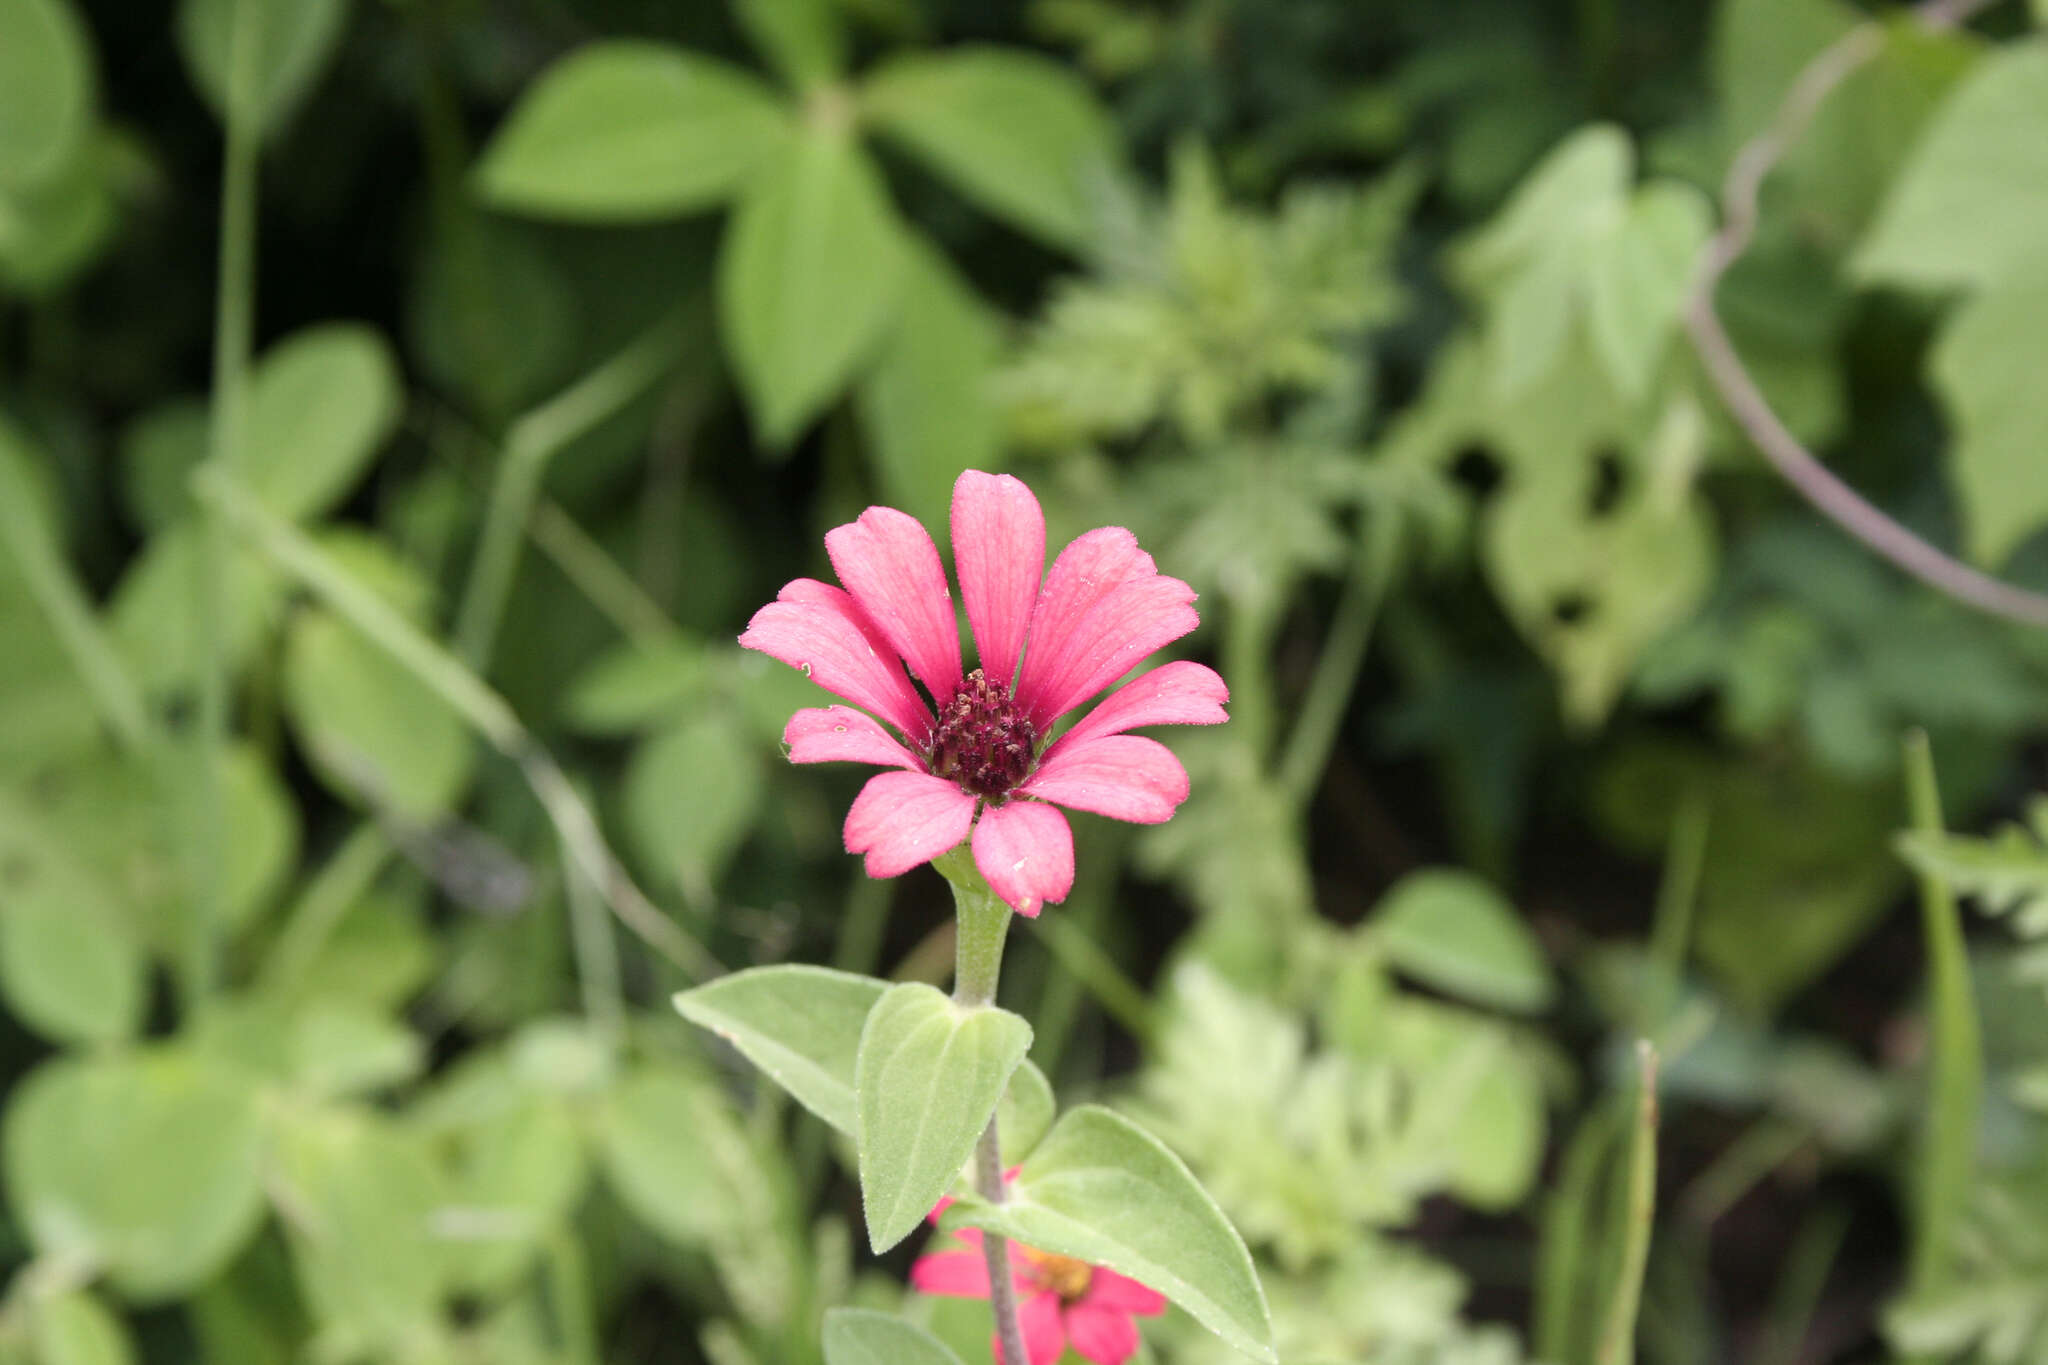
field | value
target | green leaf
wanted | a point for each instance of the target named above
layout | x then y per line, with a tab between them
71	962
50	232
75	1328
1020	135
320	404
691	794
629	131
1968	208
636	683
1450	929
1638	282
862	1336
289	44
1988	363
152	612
46	89
927	405
928	1076
801	1025
147	1163
515	1180
159	451
808	279
1025	1113
1103	1190
802	39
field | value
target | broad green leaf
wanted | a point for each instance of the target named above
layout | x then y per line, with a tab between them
154	613
46	89
808	279
146	1163
1988	363
492	315
71	962
862	1336
1103	1190
928	404
1450	929
286	44
1968	208
1019	134
928	1076
660	1133
1025	1113
800	1024
691	794
320	404
635	684
75	1328
1475	1109
50	232
1639	280
802	39
159	451
513	1182
627	131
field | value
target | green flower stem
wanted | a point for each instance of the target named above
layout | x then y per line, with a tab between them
1322	708
532	441
983	922
1617	1344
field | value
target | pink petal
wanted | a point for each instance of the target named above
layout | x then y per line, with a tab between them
1045	1336
902	819
818	629
999	549
1125	777
1101	1334
1091	566
959	1274
889	564
1107	1289
1026	850
1126	623
840	734
1179	693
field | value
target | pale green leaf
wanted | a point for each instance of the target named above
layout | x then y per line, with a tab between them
71	962
1638	281
802	39
159	451
286	44
51	231
800	1024
862	1336
153	614
1988	363
808	279
320	404
75	1328
1019	134
1103	1190
513	1182
1450	929
928	1076
1025	1113
147	1163
1968	208
627	131
46	89
691	794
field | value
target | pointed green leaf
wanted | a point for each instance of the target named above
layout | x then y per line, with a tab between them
861	1336
1025	1113
808	279
1021	135
928	1076
1103	1190
289	43
631	131
1451	930
1988	364
1638	281
802	39
799	1024
320	404
45	89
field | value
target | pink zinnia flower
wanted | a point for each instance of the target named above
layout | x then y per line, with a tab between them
1059	1299
1046	648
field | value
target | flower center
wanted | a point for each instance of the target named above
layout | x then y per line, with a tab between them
1063	1275
983	740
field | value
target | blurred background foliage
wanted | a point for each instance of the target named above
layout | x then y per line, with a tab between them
403	404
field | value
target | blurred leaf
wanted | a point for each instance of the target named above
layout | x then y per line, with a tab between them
289	42
70	960
153	612
514	1182
928	1075
691	793
490	314
808	280
1103	1190
75	1328
1638	282
861	1336
1025	1112
1453	931
51	231
1988	364
46	89
628	131
799	1024
1018	134
320	404
1477	1103
146	1163
802	39
159	451
635	684
2006	874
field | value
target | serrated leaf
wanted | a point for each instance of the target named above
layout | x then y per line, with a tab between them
808	279
799	1024
320	404
70	960
1450	929
46	89
289	42
629	131
928	1075
1019	134
861	1336
1988	364
1103	1190
148	1164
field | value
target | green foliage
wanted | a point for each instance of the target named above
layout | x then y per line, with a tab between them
255	60
801	1025
856	1336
